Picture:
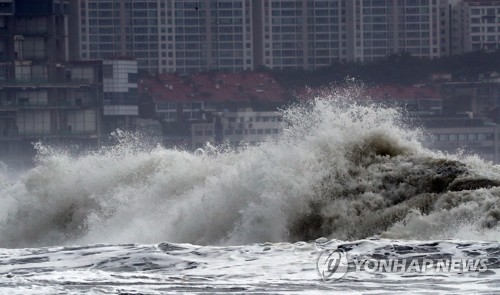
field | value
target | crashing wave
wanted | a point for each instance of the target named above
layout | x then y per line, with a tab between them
341	170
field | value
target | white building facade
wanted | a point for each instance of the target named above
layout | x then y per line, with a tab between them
300	34
235	128
206	35
120	96
188	36
476	25
377	28
166	35
117	28
483	141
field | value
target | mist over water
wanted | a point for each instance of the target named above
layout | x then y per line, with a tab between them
340	170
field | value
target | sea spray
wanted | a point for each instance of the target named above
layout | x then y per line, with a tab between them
341	169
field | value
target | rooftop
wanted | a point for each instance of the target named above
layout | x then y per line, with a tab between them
482	2
215	87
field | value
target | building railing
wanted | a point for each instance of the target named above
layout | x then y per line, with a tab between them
32	32
12	134
44	83
29	105
5	31
6	114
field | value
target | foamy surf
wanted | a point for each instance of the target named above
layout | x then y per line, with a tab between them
340	170
280	268
254	219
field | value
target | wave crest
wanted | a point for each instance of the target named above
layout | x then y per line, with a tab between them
341	169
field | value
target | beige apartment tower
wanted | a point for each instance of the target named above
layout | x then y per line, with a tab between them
187	36
164	36
476	26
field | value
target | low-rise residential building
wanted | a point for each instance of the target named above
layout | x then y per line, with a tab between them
235	128
189	98
479	98
417	100
463	133
184	100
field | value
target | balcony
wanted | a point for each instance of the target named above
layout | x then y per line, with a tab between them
20	135
44	83
4	32
4	59
32	32
121	110
17	106
36	59
6	7
5	114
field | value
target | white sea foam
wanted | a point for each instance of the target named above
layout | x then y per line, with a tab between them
280	268
341	169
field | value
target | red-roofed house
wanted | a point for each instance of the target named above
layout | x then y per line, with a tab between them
187	98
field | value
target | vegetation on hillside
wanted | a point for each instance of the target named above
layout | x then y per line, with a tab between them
401	69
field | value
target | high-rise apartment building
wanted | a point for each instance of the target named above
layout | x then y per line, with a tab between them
188	36
300	33
315	33
206	35
117	28
167	35
377	28
476	25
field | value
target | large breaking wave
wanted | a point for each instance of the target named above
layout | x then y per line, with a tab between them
340	170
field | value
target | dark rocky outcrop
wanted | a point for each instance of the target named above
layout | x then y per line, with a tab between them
380	189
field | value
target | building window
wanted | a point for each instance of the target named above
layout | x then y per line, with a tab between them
107	71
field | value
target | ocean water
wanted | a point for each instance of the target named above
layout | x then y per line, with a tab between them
135	219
